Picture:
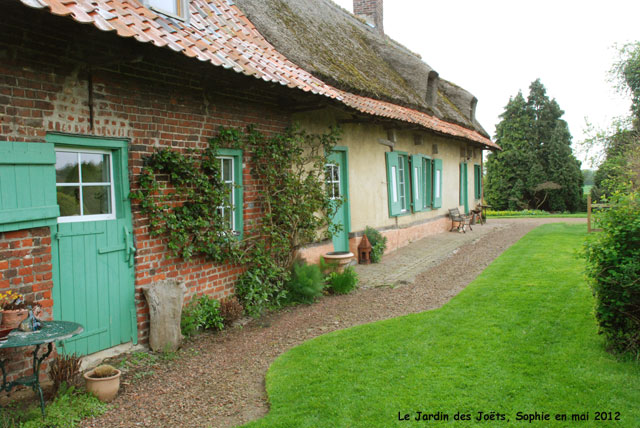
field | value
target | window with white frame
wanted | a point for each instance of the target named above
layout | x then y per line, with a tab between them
84	185
332	176
176	8
231	177
226	176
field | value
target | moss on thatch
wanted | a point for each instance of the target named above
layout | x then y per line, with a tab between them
338	48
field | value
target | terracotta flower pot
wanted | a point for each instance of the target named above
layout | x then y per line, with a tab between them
105	388
11	318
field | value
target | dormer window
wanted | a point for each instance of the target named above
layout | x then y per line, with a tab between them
173	8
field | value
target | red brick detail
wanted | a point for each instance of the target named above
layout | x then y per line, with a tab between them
17	267
149	104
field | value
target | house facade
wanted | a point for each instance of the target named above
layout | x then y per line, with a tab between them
90	88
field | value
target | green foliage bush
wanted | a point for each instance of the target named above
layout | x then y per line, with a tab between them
66	410
201	314
378	243
306	283
508	213
261	286
613	266
343	282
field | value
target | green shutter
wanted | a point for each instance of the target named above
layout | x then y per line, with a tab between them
27	185
427	180
395	208
437	183
417	183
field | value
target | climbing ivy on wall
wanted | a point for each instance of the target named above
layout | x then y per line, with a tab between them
180	191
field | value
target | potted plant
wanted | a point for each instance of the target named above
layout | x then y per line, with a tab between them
14	309
103	382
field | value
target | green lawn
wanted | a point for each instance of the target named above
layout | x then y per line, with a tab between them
520	338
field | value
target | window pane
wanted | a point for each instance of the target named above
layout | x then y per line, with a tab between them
69	200
95	168
166	5
393	184
436	185
229	194
67	167
227	170
227	218
336	190
336	173
96	200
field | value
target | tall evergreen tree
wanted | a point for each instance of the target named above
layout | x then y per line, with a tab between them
536	167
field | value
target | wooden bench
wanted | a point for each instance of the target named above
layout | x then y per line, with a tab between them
459	221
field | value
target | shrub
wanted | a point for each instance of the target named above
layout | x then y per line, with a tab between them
492	213
378	243
201	314
306	283
613	267
343	282
64	368
230	310
67	410
261	287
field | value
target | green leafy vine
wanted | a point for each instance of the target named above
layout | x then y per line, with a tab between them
179	192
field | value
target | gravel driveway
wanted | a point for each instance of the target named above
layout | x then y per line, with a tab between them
218	379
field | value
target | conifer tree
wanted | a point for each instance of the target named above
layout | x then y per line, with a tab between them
536	168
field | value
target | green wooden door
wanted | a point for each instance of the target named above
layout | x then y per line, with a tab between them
337	175
464	192
93	249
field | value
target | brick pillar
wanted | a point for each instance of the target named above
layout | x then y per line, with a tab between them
371	11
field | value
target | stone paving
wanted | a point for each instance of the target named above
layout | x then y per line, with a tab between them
401	267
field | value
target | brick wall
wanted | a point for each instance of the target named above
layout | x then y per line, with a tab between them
25	268
371	9
151	96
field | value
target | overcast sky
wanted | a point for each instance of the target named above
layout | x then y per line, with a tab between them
494	48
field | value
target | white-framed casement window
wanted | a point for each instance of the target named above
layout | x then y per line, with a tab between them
231	176
332	177
84	185
398	183
421	184
174	8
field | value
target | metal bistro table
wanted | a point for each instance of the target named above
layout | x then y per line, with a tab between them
51	331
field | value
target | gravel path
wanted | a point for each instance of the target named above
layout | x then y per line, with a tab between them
218	379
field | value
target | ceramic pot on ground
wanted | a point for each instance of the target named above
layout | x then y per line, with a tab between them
105	388
11	318
338	259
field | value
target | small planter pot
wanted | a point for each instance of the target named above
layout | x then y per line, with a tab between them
11	318
105	388
338	259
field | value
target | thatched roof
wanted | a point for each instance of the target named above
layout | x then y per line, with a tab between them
340	49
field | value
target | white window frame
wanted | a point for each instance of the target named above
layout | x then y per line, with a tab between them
330	181
92	217
402	182
232	207
182	6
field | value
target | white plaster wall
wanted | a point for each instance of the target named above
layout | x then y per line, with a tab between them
368	175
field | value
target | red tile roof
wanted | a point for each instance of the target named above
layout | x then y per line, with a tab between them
218	32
